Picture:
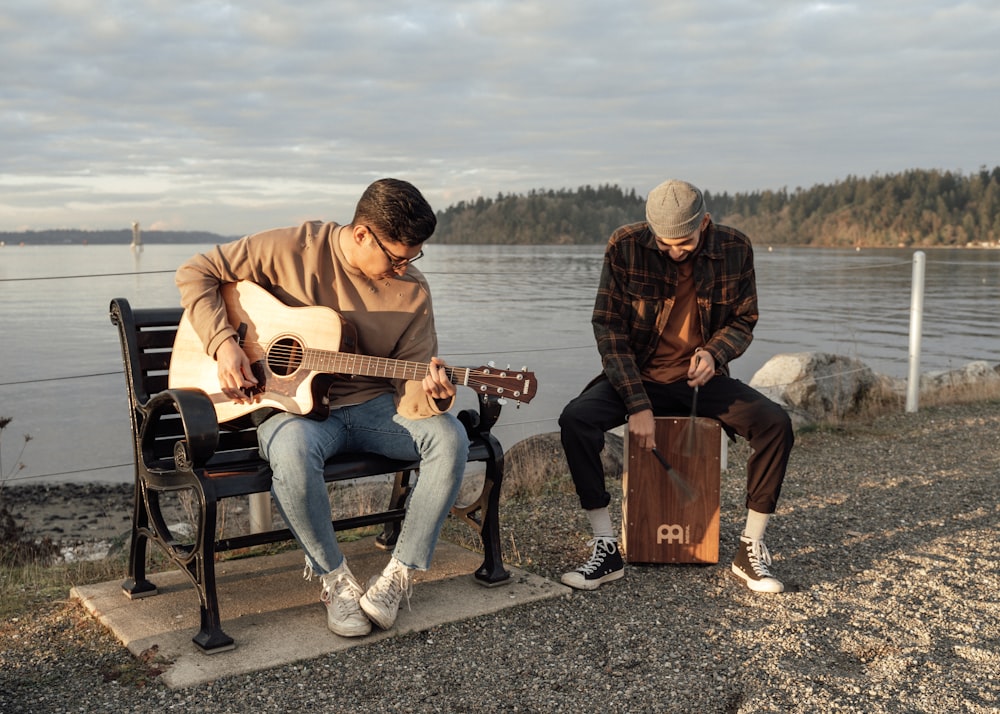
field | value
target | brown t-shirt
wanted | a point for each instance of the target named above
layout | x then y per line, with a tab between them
681	334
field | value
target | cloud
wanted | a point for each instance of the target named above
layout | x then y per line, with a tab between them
237	117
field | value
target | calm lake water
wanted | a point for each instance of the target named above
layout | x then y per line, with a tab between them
524	306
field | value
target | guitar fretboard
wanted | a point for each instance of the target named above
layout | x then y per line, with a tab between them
350	363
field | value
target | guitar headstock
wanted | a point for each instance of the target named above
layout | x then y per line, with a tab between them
519	386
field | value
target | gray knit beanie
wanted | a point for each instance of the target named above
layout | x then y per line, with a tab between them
674	209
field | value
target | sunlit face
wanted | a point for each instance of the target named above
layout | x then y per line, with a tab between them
680	249
387	259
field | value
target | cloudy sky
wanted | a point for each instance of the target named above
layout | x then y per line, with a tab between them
234	117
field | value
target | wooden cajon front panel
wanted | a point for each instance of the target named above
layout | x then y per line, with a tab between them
659	525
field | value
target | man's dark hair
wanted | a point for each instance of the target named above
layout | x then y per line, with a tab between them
396	211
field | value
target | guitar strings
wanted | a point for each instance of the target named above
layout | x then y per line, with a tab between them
295	356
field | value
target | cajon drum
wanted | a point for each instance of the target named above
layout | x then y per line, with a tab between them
660	522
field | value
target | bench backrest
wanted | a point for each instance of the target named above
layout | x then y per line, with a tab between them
147	340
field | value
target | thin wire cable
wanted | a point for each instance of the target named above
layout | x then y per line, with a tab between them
872	266
60	379
91	276
54	474
88	277
441	272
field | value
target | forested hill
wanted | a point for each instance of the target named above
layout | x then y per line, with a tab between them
916	208
586	215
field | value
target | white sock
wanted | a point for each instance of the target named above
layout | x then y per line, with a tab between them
600	523
756	525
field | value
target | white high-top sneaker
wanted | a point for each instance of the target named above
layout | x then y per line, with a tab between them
340	594
381	602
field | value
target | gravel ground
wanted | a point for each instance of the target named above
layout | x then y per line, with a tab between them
885	535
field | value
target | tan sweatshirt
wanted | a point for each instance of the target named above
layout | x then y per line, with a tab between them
304	265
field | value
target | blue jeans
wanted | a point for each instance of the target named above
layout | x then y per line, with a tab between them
297	447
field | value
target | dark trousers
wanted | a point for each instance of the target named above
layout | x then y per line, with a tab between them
741	410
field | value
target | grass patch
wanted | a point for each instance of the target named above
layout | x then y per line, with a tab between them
961	393
27	584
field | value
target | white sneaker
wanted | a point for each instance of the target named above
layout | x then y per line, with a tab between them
340	594
381	602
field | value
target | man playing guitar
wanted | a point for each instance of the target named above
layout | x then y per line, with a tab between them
363	271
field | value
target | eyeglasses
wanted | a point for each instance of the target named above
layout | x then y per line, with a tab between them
395	262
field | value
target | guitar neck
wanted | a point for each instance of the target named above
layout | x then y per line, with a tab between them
350	363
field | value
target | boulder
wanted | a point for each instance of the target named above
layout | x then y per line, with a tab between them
538	463
818	387
971	376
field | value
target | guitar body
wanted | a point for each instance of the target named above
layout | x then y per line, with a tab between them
275	338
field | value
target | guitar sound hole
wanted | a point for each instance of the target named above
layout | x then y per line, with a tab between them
284	357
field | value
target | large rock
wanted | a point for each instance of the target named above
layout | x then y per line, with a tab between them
538	464
971	376
819	387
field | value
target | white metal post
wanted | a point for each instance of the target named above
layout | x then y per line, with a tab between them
916	329
260	512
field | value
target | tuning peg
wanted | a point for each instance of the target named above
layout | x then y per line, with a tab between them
491	363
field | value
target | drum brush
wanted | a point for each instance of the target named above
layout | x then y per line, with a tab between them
679	482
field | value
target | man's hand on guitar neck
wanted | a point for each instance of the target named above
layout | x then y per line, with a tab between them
437	383
235	374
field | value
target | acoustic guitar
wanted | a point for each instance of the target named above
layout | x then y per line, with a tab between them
295	352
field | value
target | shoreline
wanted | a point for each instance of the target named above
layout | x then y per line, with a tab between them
92	520
85	521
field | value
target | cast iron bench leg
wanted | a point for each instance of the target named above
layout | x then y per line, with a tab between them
492	572
136	586
210	638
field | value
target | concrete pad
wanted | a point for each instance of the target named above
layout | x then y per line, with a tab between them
276	617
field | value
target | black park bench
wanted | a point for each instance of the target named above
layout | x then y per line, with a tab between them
179	445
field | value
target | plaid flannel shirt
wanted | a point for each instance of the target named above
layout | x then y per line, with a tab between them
636	295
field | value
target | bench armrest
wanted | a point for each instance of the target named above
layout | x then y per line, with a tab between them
198	421
479	423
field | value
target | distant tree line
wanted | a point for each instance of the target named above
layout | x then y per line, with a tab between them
586	215
917	208
74	236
